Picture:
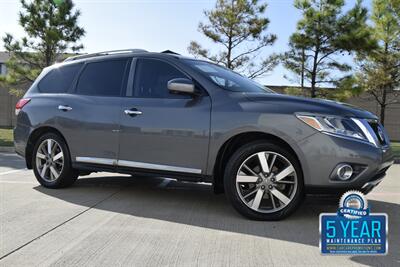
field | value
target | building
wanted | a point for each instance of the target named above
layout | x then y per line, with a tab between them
392	121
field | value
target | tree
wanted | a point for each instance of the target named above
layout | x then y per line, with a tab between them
239	27
51	29
323	33
379	71
295	61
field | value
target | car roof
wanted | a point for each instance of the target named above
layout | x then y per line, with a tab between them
122	53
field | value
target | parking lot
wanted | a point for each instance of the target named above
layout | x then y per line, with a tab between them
110	219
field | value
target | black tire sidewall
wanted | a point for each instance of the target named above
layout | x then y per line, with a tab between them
67	176
230	180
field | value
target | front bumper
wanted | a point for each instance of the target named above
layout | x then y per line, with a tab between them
322	153
373	182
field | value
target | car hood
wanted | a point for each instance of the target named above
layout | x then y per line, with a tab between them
294	104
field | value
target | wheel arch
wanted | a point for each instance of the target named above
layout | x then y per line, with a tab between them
231	145
34	136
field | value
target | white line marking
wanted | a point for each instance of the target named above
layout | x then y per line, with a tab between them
13	171
16	182
384	194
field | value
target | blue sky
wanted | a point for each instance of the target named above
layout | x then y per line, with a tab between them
157	25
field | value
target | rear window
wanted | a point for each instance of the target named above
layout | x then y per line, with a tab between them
59	80
105	78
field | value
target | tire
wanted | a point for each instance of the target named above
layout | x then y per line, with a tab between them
59	172
250	190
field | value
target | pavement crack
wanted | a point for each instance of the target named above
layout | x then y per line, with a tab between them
59	225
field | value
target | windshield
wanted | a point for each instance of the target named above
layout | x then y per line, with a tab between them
227	79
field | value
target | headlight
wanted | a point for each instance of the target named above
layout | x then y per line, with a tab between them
339	126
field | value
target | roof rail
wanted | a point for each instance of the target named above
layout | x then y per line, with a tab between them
121	51
169	52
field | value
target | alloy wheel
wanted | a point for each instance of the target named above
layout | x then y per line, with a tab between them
49	160
266	182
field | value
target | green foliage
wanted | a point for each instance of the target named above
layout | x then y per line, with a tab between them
324	33
296	91
295	60
346	89
6	137
51	29
379	71
396	150
239	27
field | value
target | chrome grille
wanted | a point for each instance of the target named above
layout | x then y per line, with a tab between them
379	132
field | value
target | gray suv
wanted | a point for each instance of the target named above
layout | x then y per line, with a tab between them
166	115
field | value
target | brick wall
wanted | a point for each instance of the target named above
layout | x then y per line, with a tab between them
392	115
7	108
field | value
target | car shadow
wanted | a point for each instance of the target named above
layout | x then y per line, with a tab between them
196	204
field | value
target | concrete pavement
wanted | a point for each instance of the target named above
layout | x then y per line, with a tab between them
111	220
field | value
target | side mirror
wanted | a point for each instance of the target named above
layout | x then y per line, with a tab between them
181	85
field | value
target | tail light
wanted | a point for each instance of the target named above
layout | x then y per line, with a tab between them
20	104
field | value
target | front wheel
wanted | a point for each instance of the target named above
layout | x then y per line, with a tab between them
51	162
264	181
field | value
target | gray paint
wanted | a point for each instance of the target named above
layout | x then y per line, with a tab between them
187	134
167	127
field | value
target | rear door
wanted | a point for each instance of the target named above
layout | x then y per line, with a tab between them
89	116
169	132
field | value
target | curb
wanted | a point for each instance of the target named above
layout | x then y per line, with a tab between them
7	149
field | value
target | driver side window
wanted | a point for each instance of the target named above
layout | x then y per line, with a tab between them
151	79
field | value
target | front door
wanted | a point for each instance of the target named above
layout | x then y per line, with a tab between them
161	130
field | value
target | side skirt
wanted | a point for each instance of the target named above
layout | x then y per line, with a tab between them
190	177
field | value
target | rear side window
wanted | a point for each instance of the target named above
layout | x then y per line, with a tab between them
105	78
151	79
59	80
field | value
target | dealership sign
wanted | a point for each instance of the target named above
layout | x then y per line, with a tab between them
353	229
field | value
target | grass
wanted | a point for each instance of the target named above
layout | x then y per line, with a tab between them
396	149
6	137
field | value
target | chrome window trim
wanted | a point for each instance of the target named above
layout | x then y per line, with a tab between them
131	77
140	165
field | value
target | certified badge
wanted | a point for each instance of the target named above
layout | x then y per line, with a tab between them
353	205
353	229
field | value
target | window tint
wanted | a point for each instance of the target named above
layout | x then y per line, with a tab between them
151	79
59	80
226	78
105	78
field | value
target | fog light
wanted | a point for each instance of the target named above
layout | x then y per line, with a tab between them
344	172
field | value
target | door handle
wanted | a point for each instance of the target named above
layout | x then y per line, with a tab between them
64	108
132	112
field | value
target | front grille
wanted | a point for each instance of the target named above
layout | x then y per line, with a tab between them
379	132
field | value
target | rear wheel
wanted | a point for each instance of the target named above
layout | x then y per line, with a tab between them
51	162
263	181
